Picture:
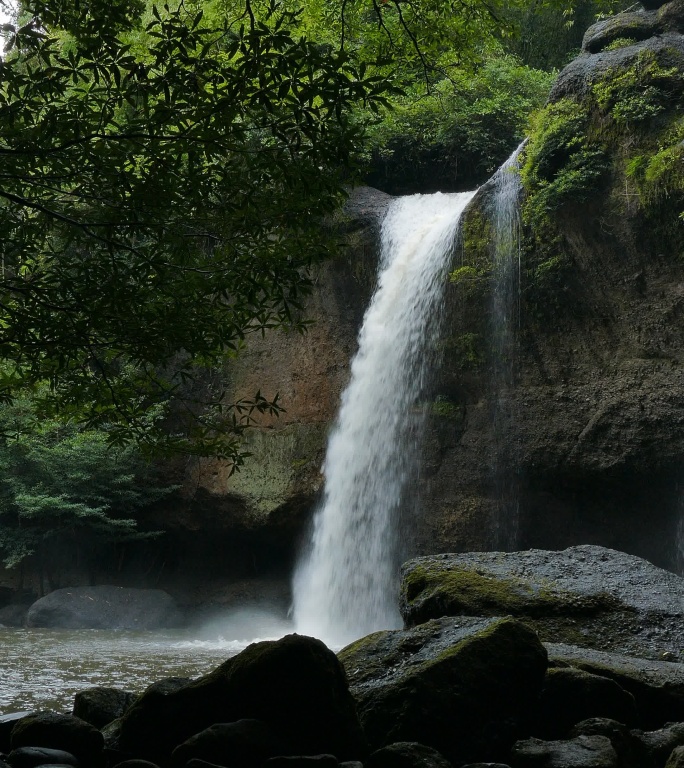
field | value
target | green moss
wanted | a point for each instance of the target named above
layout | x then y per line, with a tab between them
279	465
445	409
562	163
620	42
472	280
468	592
640	92
464	351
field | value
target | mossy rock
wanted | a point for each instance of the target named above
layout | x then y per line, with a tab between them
295	685
586	596
657	686
461	686
572	695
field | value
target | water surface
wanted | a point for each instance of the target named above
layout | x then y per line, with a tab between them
44	668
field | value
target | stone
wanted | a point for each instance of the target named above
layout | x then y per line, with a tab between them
671	16
242	744
572	695
99	706
460	686
104	607
578	77
585	596
13	615
486	765
29	757
7	723
57	731
197	763
302	761
581	752
630	751
295	685
406	754
136	764
657	686
634	26
676	759
658	745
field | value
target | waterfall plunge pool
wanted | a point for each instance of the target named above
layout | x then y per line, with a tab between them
45	668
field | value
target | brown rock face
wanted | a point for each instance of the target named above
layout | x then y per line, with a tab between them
248	524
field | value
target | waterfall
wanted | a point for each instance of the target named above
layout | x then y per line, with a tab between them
345	585
505	217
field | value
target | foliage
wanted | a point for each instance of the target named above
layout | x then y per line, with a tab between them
640	92
620	42
562	161
549	35
460	132
158	208
65	490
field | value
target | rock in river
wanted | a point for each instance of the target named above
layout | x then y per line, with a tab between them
104	607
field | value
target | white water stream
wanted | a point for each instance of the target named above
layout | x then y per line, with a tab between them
346	584
505	217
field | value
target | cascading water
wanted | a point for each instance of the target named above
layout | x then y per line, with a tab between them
505	216
345	586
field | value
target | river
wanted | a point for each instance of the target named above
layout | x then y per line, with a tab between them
44	668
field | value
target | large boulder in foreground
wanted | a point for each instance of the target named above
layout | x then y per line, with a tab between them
461	686
585	596
295	685
104	607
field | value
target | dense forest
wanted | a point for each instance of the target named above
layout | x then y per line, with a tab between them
165	170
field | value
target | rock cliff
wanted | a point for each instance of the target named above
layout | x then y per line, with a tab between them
582	439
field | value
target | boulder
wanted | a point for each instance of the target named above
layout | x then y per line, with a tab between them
572	695
581	752
578	77
634	26
30	757
104	607
136	764
630	751
242	744
13	615
406	754
302	761
7	723
659	745
57	731
99	706
295	685
657	686
460	686
676	759
587	596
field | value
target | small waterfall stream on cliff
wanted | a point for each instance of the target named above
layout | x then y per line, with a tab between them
505	217
345	586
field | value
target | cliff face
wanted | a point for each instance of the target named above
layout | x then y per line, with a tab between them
585	442
250	523
566	428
